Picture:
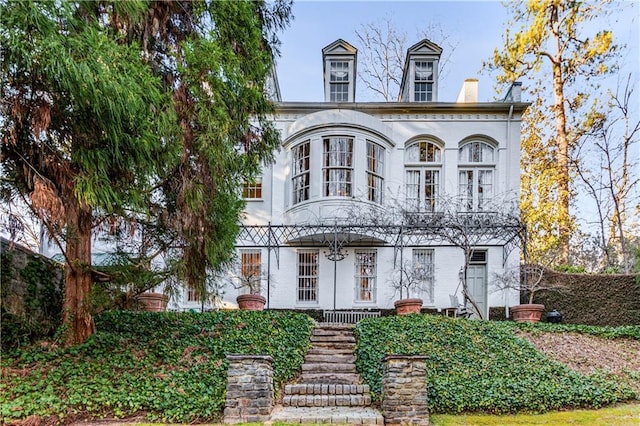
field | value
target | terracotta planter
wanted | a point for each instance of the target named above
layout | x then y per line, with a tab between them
153	302
527	312
408	306
251	302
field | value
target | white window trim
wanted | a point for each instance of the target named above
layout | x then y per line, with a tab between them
300	302
250	187
377	175
476	167
348	168
423	167
304	172
430	299
358	289
351	83
412	66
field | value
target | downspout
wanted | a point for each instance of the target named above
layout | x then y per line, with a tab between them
508	176
268	262
335	263
269	230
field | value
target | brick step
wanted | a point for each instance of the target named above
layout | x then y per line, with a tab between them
337	415
333	339
325	367
332	358
330	378
324	389
350	400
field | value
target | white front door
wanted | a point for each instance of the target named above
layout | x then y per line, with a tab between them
477	284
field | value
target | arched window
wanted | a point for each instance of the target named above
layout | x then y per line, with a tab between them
423	164
476	162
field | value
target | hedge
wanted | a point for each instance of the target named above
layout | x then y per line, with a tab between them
479	366
603	299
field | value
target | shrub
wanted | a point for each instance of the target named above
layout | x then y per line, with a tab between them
170	366
479	366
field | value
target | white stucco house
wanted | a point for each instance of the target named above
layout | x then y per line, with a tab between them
357	188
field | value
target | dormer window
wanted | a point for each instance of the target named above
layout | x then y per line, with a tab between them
339	81
420	74
423	81
339	72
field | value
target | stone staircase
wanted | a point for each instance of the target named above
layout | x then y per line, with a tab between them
329	389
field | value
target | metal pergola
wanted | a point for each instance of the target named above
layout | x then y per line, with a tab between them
419	231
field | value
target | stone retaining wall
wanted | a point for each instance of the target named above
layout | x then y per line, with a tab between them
249	389
404	390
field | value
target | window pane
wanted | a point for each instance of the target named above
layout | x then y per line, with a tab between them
375	170
338	159
431	185
423	81
485	187
251	267
339	81
252	190
300	174
307	276
412	189
423	272
465	190
339	71
365	278
423	152
477	152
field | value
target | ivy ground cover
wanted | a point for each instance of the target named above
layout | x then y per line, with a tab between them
168	366
480	366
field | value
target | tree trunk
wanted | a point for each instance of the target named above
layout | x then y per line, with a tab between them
76	317
562	142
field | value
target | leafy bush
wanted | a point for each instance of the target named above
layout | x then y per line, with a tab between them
170	366
478	366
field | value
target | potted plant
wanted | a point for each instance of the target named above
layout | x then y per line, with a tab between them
410	281
249	282
153	302
527	279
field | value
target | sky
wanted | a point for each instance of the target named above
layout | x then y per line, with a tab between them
474	27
